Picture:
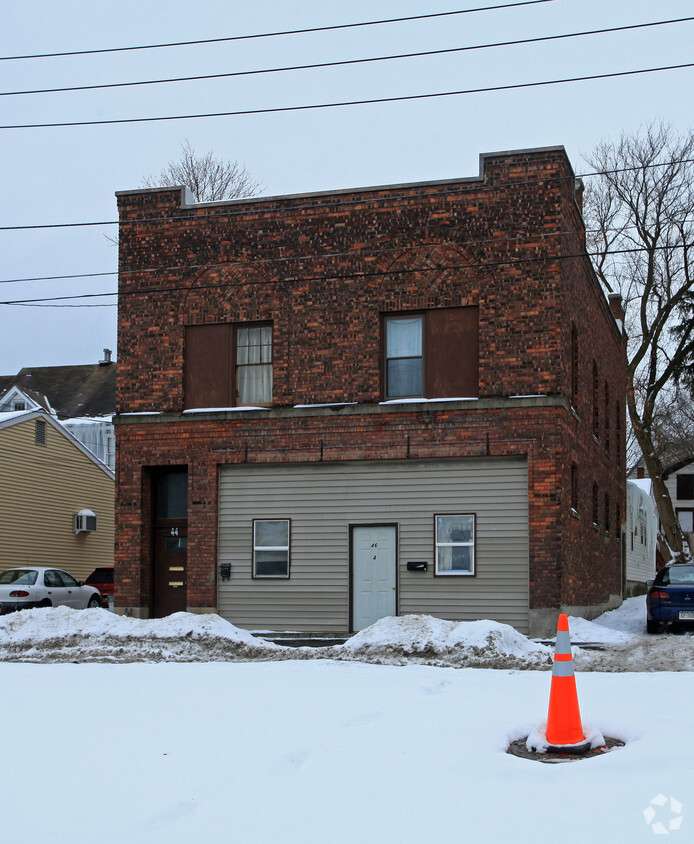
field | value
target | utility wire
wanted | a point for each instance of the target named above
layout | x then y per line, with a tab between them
342	204
342	104
158	291
354	253
293	258
274	34
344	62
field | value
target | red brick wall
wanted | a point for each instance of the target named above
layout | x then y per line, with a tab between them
500	242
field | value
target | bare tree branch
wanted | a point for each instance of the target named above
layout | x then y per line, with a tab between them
209	178
650	207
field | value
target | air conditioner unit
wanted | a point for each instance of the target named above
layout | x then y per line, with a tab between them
85	521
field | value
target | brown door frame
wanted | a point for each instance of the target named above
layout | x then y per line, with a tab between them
353	525
161	529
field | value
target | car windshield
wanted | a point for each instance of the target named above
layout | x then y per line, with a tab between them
22	576
100	576
678	576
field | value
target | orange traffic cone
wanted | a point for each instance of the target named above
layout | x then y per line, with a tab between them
564	729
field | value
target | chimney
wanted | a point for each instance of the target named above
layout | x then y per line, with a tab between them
617	308
107	358
578	193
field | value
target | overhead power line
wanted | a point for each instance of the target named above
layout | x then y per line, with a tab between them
377	100
274	34
232	212
354	253
242	264
158	291
344	62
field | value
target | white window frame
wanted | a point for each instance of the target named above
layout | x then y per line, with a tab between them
468	544
681	510
285	548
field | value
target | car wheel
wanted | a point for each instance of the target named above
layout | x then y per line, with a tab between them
45	603
652	626
93	602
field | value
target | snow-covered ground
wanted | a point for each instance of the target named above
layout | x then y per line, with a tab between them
252	743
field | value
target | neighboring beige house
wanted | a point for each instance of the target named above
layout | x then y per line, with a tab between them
47	478
82	397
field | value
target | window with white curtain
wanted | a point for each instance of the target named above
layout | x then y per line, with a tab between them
227	365
254	365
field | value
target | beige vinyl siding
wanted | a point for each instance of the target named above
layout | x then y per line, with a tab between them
41	488
323	500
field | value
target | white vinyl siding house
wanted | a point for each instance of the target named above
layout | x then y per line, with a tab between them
641	532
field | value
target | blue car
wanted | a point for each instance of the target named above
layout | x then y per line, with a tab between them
670	598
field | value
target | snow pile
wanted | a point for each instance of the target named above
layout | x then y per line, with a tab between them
422	638
618	642
537	740
41	624
62	634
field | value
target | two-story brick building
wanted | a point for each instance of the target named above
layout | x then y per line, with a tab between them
334	407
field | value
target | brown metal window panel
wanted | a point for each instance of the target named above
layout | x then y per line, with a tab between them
451	352
209	367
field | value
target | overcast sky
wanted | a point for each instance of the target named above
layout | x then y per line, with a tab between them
67	175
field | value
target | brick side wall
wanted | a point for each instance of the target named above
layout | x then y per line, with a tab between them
500	242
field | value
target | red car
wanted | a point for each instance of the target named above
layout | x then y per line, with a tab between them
102	579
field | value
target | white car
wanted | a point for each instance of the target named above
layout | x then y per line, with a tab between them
36	586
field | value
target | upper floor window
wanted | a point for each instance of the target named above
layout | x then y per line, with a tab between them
434	354
607	417
254	365
19	405
228	365
574	367
404	361
574	488
685	487
596	402
618	433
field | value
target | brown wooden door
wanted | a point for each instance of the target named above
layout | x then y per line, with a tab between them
170	571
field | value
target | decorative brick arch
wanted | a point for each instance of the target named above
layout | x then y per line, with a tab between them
221	292
435	274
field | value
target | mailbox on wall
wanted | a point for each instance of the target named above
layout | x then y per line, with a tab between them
417	566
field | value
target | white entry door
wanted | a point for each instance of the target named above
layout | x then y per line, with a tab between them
373	574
